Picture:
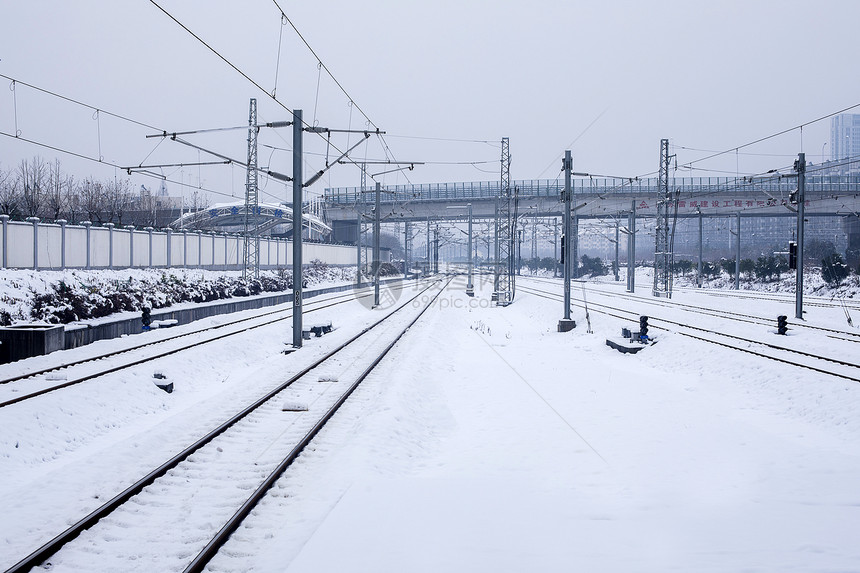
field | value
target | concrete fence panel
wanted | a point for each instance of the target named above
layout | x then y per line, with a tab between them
76	247
55	246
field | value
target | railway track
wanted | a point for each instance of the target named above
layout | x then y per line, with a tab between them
815	362
739	317
15	389
209	481
787	298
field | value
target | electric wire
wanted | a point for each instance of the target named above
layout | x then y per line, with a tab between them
777	134
251	80
80	103
104	162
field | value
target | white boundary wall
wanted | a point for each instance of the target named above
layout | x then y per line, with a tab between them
55	246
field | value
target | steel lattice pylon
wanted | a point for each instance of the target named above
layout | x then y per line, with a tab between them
252	207
504	232
662	254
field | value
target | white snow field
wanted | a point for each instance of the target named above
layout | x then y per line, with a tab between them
486	441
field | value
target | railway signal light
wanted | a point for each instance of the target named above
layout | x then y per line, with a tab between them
792	255
562	248
643	328
781	324
146	317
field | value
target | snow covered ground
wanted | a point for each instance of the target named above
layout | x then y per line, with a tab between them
486	441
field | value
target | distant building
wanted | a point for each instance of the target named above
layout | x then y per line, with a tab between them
845	143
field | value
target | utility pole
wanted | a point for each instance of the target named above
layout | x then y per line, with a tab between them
800	168
738	256
407	245
574	243
566	324
429	268
436	250
376	262
358	222
555	249
470	289
616	251
631	248
298	130
701	235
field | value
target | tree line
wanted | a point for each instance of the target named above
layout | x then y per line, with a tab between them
39	188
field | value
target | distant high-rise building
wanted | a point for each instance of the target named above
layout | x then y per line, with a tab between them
845	141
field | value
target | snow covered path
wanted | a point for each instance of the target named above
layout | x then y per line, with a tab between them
509	447
489	442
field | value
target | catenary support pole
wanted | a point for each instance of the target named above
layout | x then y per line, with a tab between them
699	273
738	255
617	278
631	248
800	168
358	244
407	245
298	177
376	262
470	290
5	219
566	323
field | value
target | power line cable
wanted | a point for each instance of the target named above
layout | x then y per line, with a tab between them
229	63
107	163
80	103
777	134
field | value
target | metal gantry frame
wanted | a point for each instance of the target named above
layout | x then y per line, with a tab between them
662	255
504	232
251	259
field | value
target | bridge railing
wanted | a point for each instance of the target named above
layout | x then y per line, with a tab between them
780	186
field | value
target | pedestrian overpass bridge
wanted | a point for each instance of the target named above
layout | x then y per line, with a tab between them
826	195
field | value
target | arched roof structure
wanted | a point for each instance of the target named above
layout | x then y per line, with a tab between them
268	216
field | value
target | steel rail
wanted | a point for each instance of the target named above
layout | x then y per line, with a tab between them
718	313
45	551
556	297
202	559
139	361
150	343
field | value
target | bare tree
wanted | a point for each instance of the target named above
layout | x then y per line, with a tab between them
118	199
10	196
56	196
92	200
199	201
74	201
146	206
33	175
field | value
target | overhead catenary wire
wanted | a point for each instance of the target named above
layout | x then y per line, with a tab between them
236	68
322	65
773	135
80	103
105	162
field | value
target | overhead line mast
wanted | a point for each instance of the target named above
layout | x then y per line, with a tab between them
662	255
251	261
504	232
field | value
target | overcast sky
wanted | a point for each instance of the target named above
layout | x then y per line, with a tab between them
607	79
